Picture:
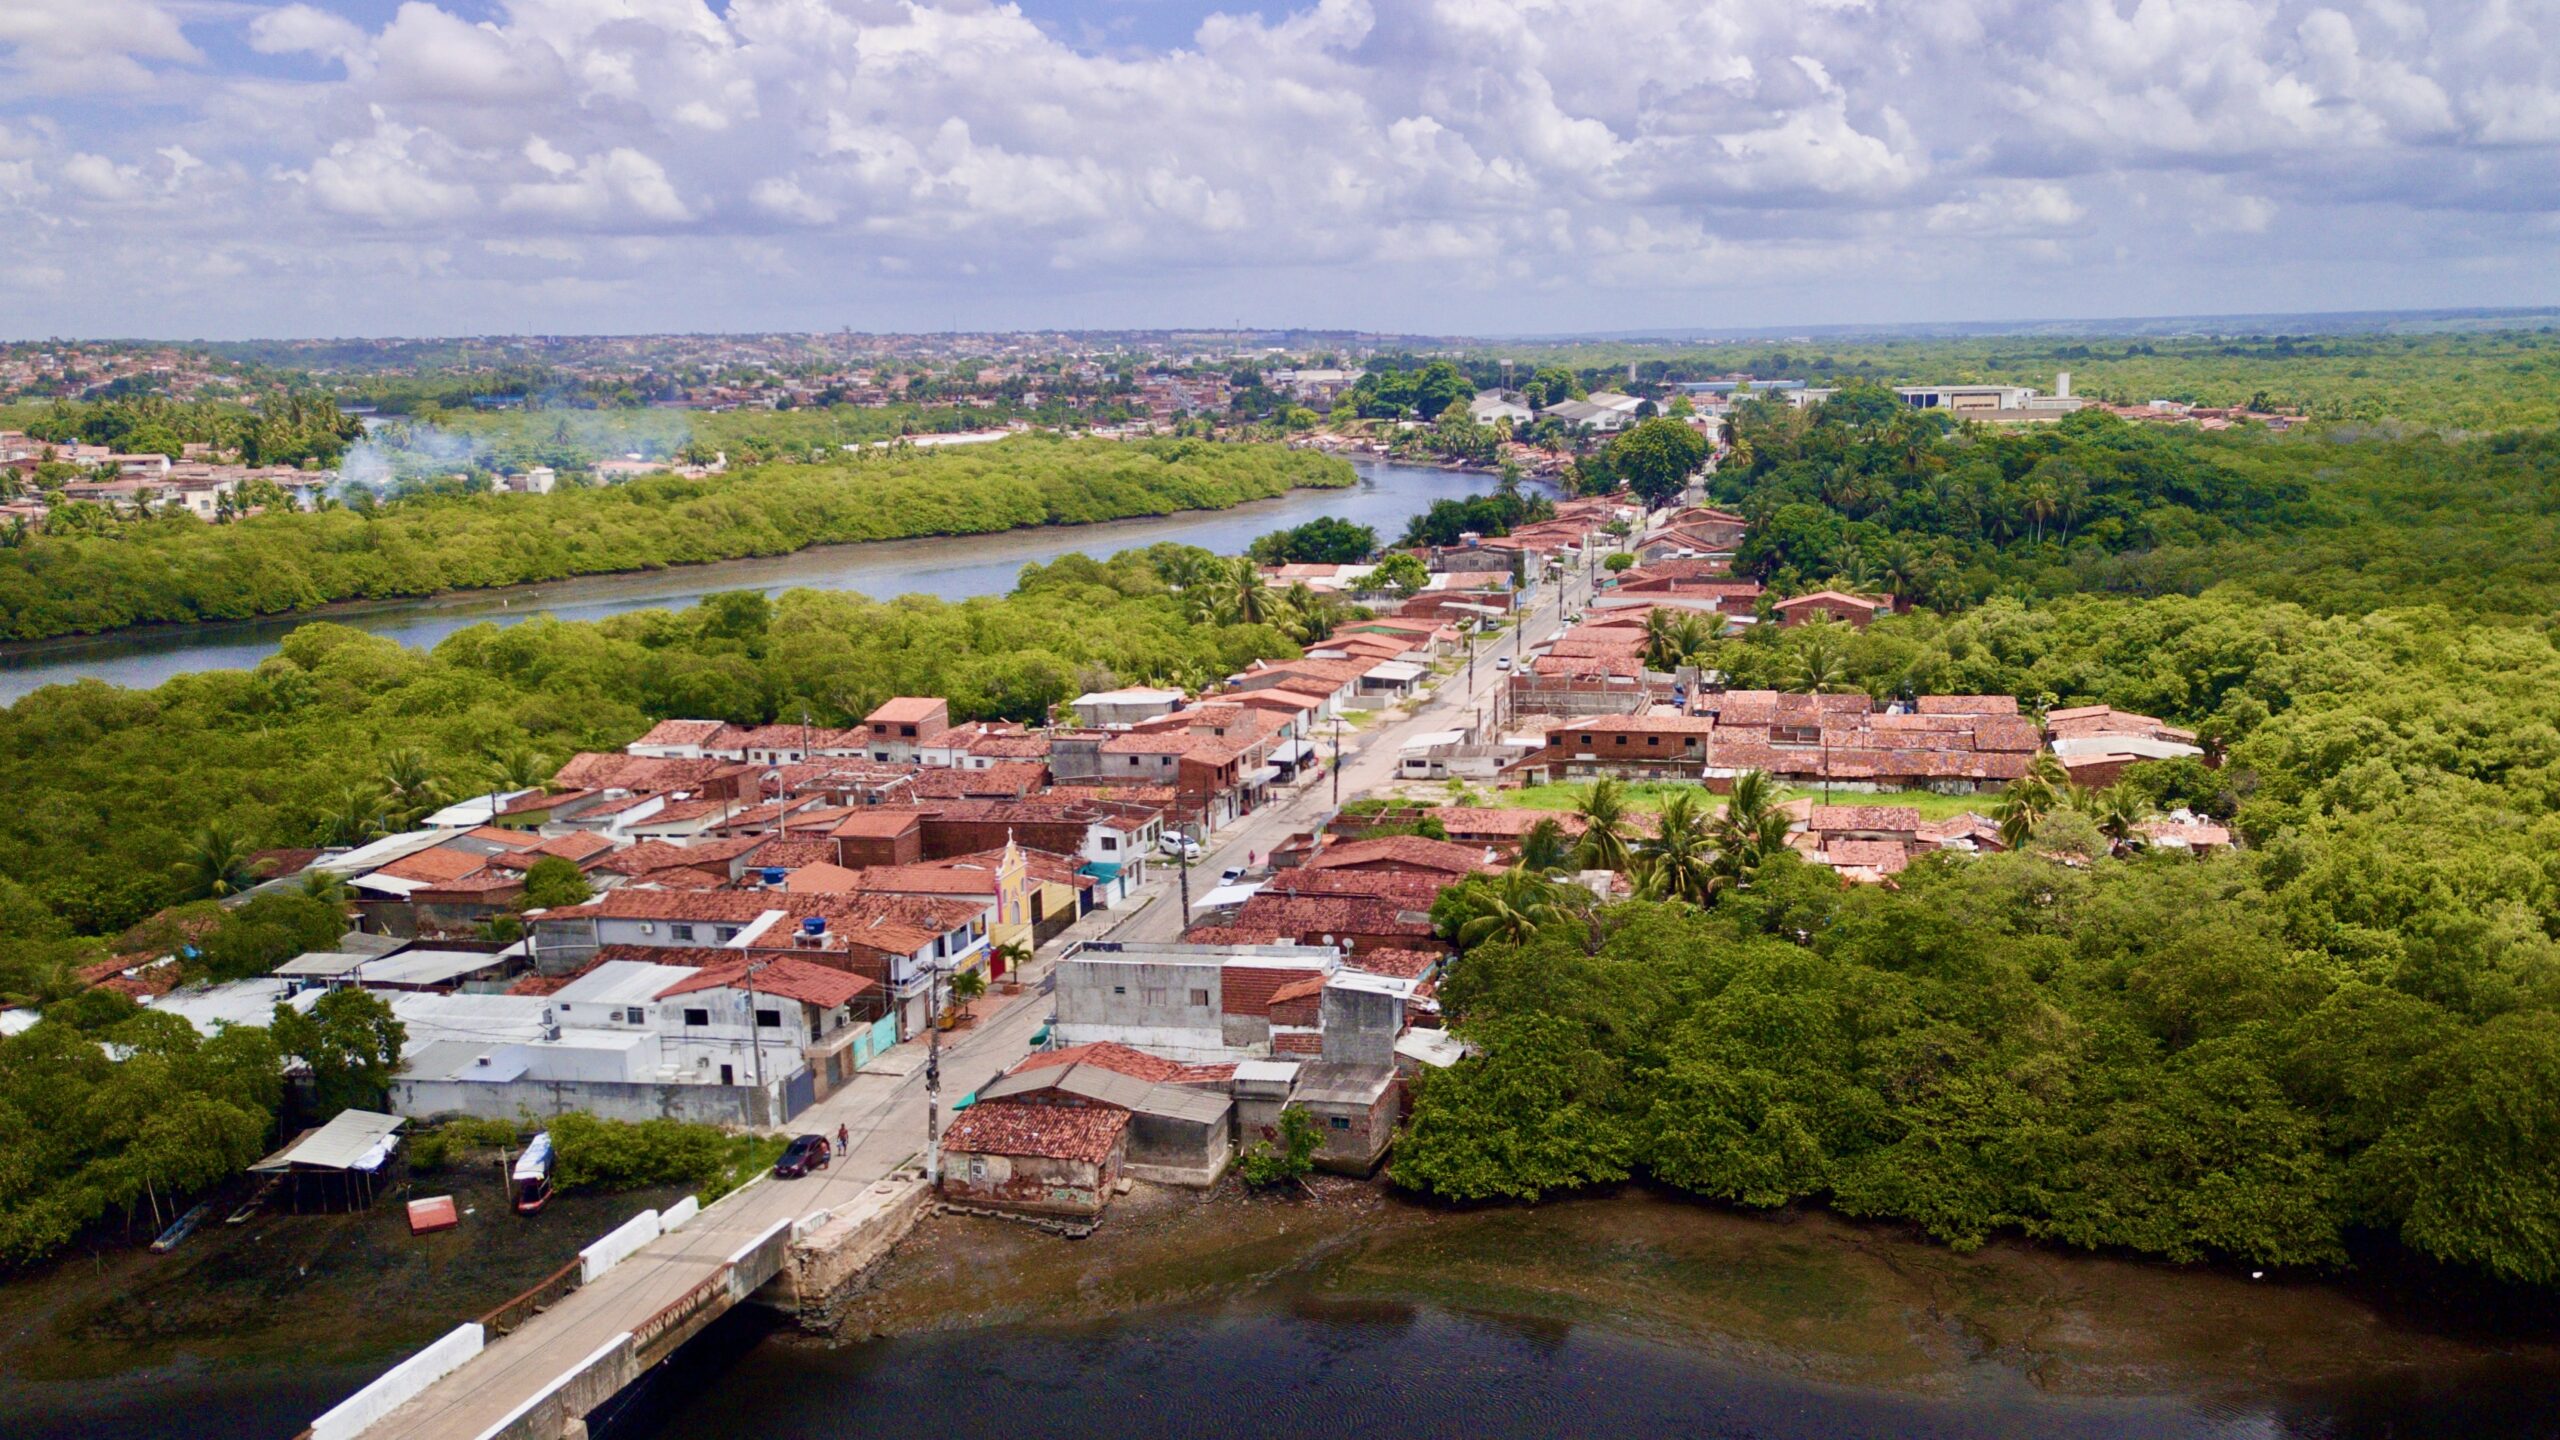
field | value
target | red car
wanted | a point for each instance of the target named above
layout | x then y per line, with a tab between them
804	1154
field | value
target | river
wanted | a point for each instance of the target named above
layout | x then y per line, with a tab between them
949	567
1351	1313
1632	1315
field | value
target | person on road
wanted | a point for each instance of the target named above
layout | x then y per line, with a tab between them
844	1139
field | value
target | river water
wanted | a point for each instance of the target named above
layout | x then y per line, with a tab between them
1632	1316
951	568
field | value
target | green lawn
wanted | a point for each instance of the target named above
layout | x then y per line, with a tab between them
1649	795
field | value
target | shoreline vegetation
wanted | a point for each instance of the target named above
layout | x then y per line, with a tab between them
180	571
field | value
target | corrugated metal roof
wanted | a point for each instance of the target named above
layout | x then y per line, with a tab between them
342	1144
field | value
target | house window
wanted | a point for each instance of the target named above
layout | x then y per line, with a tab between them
1133	762
1200	998
1653	740
635	1016
1110	842
1152	995
768	1019
726	933
697	1017
683	932
1586	739
1340	1122
1119	989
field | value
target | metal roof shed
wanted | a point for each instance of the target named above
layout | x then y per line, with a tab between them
343	1159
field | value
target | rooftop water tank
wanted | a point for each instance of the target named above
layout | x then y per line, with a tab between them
773	874
814	925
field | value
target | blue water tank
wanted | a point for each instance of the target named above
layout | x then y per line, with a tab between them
814	925
773	874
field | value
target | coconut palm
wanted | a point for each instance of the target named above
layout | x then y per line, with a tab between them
409	784
356	814
1604	827
518	768
1678	863
1246	595
1512	910
1818	667
1546	847
2118	811
1750	831
2023	804
218	862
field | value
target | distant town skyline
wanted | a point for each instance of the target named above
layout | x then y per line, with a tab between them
184	168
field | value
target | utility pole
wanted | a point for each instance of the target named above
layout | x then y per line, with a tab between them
1337	762
933	1075
755	1030
1471	664
1182	860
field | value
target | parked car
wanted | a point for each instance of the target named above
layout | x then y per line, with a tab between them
1231	875
1501	662
1181	847
805	1153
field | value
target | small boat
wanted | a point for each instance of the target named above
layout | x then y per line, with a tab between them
531	1178
176	1234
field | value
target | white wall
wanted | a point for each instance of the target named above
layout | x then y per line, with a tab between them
398	1384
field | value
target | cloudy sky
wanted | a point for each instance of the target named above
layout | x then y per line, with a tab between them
226	168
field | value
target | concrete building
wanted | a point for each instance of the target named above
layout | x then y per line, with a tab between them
1196	1003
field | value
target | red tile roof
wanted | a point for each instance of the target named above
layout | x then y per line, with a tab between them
1406	852
1249	989
908	710
789	978
1086	1134
1110	1055
1865	817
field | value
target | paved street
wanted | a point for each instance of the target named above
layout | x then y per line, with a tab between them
1369	760
884	1106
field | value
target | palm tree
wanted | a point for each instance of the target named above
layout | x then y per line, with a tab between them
1249	599
2025	801
1604	827
1546	847
1818	668
2119	811
1511	911
1751	829
409	783
518	768
355	815
1678	863
2041	501
327	887
217	862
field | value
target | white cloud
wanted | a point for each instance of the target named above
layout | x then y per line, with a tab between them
100	178
386	176
86	46
1415	154
621	185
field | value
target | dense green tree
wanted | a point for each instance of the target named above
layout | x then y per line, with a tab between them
351	1041
1656	458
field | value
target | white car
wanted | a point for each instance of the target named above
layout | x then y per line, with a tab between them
1501	662
1181	847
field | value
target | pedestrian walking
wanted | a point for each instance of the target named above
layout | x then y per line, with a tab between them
844	1139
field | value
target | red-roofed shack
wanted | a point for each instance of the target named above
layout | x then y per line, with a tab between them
1043	1159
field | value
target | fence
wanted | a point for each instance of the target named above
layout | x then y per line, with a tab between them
548	1292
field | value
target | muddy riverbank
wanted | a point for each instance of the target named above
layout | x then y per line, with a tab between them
251	1330
1634	1311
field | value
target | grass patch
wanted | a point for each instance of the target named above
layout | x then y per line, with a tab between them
1649	795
